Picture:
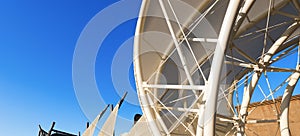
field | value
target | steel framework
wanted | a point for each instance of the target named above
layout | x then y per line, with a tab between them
200	64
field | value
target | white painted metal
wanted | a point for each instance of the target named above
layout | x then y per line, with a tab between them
179	120
204	40
163	125
142	95
285	103
150	70
177	87
258	14
264	61
179	109
243	13
280	41
214	78
178	48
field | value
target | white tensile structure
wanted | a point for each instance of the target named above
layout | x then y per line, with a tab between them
108	128
91	129
199	64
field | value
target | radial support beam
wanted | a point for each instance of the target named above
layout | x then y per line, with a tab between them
230	95
176	87
179	51
246	100
275	69
285	53
208	118
259	18
179	109
172	114
177	46
285	103
280	41
162	124
242	14
265	60
262	121
245	65
255	77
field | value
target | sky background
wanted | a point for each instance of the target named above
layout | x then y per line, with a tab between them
37	42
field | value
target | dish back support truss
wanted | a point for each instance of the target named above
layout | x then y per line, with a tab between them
181	46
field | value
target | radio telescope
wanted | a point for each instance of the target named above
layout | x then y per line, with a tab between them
203	67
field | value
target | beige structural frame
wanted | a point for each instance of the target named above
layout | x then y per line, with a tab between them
184	90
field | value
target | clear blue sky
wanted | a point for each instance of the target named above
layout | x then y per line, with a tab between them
37	42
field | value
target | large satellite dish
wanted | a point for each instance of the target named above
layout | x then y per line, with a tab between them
203	67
